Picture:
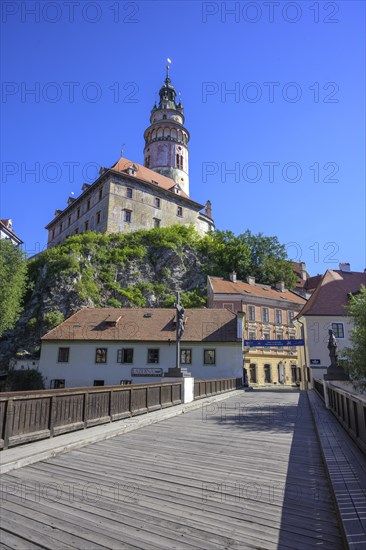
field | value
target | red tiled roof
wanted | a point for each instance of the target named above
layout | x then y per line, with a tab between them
146	324
148	175
331	295
223	286
312	282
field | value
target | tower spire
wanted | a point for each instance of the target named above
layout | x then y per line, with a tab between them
166	139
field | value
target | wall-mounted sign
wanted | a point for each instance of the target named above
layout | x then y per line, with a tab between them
272	343
315	361
147	372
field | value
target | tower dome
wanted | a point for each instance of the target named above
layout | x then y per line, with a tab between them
166	139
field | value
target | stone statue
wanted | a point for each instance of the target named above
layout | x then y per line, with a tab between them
180	315
333	351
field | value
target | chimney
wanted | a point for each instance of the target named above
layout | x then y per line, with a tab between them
280	286
233	277
303	271
208	210
251	280
344	267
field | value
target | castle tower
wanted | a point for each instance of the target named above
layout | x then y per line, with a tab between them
166	139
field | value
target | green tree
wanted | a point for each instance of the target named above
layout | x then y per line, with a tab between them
24	380
356	354
13	269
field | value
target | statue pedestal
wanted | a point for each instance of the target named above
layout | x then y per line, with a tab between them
335	372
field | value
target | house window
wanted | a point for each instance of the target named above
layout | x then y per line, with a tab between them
153	356
100	196
253	373
266	335
129	192
293	374
252	335
279	334
265	314
57	383
63	355
278	317
251	313
338	330
267	374
157	202
69	221
101	355
180	211
291	316
209	357
78	213
86	225
99	216
125	355
156	222
186	356
128	216
98	383
88	205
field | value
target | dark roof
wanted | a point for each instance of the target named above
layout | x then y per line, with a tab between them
331	296
147	325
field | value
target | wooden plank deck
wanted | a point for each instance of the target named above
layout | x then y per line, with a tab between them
244	473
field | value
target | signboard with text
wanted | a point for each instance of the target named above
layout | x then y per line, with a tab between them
272	343
147	372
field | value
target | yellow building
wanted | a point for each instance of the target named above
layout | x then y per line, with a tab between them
269	313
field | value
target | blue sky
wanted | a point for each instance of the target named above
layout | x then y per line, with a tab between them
282	154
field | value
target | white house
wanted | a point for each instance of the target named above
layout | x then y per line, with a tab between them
107	346
6	232
327	309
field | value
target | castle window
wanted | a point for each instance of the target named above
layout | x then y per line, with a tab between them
129	192
76	230
180	211
61	227
147	161
78	213
53	233
88	205
156	222
179	161
128	216
69	221
86	225
99	216
157	202
100	194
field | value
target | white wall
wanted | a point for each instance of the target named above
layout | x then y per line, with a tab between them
316	340
81	370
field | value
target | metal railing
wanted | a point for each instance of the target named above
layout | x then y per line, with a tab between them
34	415
213	386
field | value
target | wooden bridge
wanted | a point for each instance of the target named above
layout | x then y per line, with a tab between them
243	473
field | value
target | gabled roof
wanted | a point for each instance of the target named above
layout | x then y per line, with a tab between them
331	295
146	174
224	286
6	227
146	325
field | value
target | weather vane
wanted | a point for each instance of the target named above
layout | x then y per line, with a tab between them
168	67
122	146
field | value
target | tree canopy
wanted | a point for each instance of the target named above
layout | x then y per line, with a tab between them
356	354
13	270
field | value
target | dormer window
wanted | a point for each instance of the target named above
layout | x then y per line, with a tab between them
132	170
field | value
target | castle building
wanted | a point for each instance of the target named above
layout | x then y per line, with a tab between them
129	196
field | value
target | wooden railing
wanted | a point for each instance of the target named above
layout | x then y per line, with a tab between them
213	386
348	407
33	415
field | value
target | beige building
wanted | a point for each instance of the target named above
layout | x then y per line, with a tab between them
326	309
130	196
269	314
